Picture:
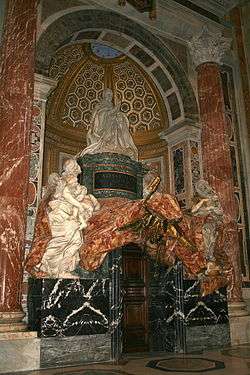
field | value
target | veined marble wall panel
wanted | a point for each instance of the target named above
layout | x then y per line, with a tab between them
195	160
35	181
69	307
179	318
185	163
178	156
42	88
37	131
236	158
157	166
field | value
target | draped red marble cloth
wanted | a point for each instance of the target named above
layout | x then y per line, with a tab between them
105	233
42	236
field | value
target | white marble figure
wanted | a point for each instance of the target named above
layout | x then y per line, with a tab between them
109	130
208	206
69	210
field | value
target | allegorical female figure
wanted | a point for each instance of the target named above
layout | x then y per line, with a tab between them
109	130
209	209
62	215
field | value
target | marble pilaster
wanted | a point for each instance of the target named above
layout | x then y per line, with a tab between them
16	99
42	88
207	50
184	143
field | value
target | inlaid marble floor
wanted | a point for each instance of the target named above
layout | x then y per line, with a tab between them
232	361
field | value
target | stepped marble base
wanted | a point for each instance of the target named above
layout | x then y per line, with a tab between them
239	319
19	355
76	350
240	329
33	353
12	321
17	335
204	338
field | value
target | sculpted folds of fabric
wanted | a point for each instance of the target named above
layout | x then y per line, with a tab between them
157	224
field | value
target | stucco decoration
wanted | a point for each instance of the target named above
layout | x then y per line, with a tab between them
208	47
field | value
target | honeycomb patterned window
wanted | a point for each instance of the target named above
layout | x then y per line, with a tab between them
138	100
83	94
64	59
84	71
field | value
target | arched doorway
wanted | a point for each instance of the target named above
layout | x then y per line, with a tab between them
135	283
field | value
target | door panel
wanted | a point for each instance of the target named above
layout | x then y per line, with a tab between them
135	320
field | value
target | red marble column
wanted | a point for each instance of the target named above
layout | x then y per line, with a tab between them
216	157
16	98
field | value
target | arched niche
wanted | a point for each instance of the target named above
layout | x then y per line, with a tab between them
82	71
133	39
140	45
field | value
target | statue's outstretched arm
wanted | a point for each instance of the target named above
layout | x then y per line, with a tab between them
198	206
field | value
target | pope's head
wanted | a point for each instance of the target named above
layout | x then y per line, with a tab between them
203	188
108	95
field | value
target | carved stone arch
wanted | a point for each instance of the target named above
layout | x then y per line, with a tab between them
60	32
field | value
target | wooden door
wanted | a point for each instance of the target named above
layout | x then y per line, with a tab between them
135	318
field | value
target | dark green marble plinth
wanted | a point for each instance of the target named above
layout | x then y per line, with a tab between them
112	175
